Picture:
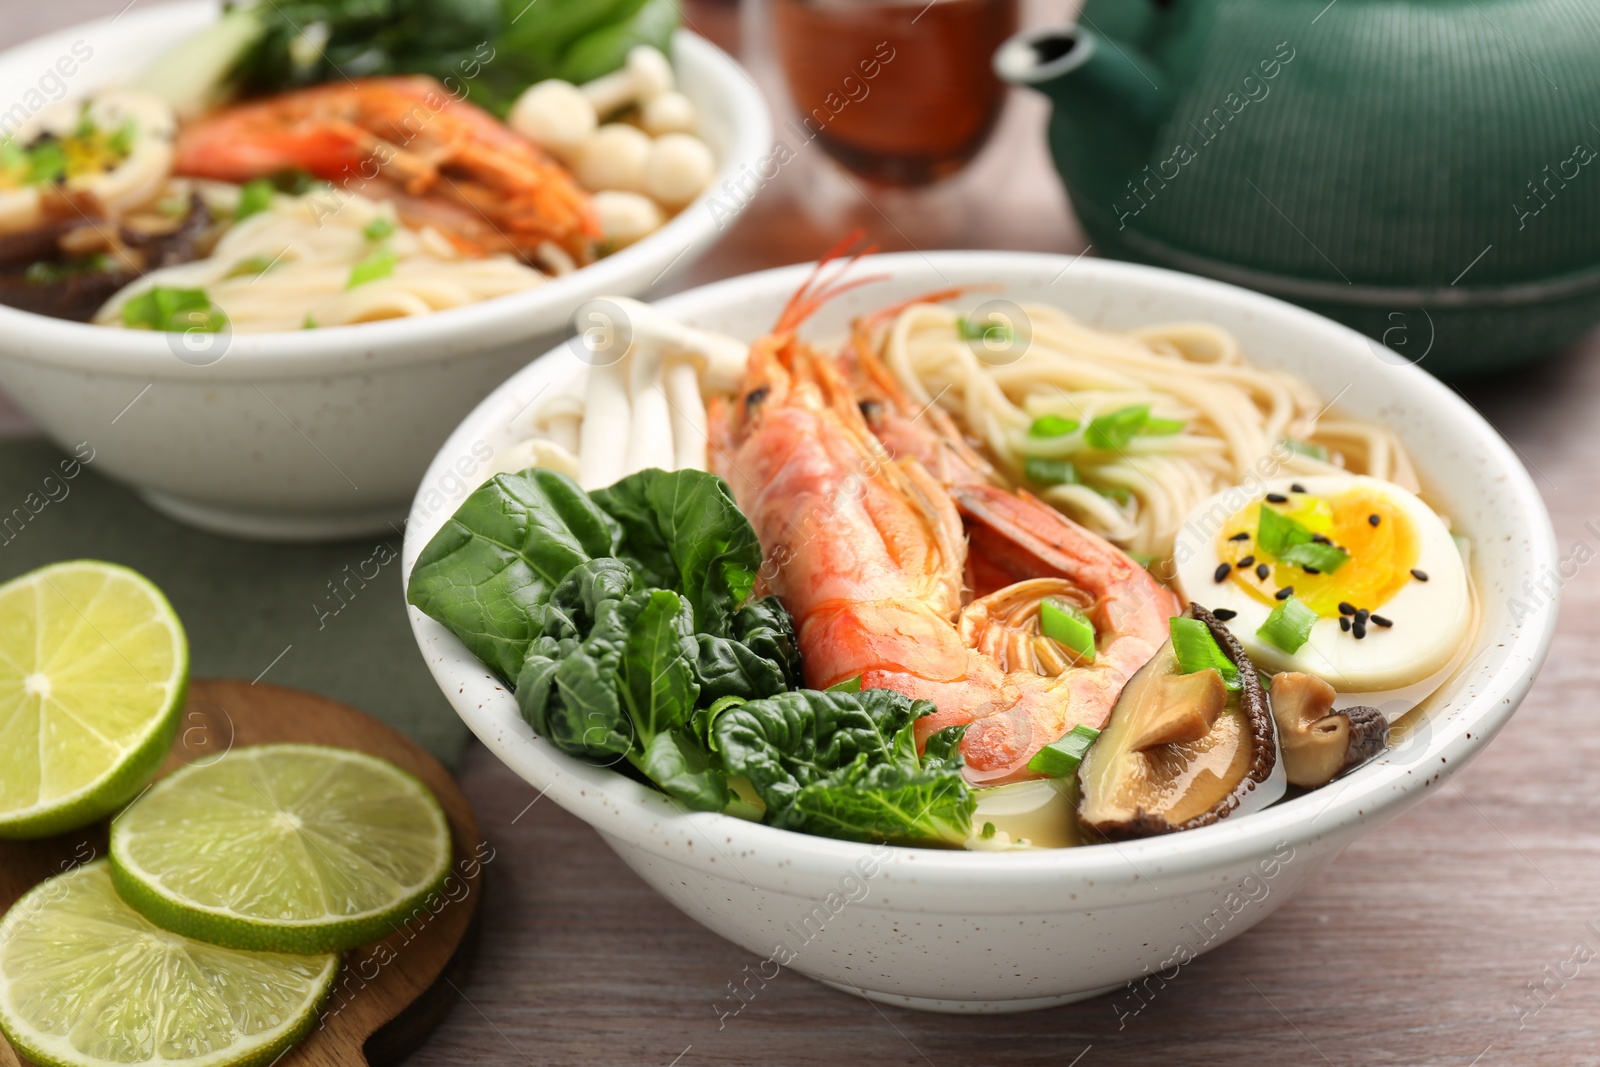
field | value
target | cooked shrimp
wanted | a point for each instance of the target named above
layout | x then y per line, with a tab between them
868	551
445	162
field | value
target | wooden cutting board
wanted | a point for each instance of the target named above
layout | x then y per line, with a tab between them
390	995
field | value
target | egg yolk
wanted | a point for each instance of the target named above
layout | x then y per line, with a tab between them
1381	554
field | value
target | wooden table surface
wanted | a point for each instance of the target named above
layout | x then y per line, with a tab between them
1421	946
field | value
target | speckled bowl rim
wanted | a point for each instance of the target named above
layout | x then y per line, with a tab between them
424	339
633	813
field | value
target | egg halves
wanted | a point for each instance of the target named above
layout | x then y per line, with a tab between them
1346	547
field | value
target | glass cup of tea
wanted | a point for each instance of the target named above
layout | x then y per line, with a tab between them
899	93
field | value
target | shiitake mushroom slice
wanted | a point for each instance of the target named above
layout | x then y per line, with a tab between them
1171	759
1319	744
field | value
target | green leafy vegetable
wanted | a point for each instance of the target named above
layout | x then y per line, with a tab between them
1066	625
497	560
1042	471
378	229
1195	649
686	533
1059	759
164	308
486	50
623	617
1289	626
255	196
1052	426
845	765
1154	427
376	266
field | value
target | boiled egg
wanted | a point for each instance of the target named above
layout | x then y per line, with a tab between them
1350	578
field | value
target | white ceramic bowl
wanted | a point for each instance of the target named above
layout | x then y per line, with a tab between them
321	433
969	931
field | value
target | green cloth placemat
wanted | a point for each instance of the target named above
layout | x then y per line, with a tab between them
328	618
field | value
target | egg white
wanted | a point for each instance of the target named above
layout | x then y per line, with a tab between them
1392	668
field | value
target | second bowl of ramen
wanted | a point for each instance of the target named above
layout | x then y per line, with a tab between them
269	423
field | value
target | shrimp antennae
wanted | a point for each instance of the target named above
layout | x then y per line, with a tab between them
823	285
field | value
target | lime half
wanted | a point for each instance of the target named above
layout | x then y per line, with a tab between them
86	981
93	668
290	848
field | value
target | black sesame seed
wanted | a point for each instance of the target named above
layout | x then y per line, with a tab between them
1373	519
1344	623
1262	570
1362	616
1346	608
1242	535
1224	614
1284	594
1379	620
1310	570
1419	575
1277	498
1320	539
1296	487
1248	561
1358	629
1222	572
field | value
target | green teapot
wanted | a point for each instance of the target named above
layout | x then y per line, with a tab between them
1425	171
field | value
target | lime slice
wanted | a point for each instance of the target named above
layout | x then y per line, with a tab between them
93	668
288	848
86	981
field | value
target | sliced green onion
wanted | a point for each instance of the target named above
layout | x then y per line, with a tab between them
376	266
1289	626
1162	427
1061	758
1113	431
1052	426
13	157
993	331
1196	649
1042	471
1306	448
1067	626
378	229
988	831
1276	532
47	163
849	685
121	142
254	265
1120	493
310	323
254	198
163	308
1325	558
